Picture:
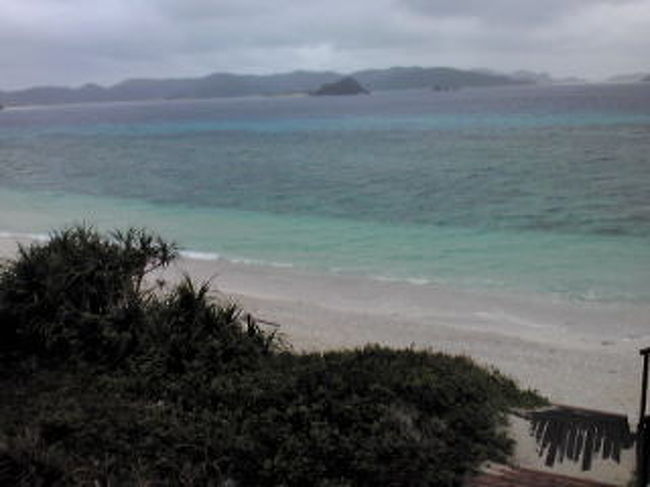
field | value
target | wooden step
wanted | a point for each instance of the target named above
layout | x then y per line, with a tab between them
502	476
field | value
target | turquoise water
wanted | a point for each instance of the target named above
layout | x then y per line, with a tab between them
541	190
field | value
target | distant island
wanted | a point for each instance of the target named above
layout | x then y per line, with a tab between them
235	85
345	86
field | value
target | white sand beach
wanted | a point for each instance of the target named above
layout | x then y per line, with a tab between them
579	354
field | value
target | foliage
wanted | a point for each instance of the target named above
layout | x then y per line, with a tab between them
181	390
372	416
78	295
188	330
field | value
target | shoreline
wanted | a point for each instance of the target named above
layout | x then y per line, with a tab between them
570	352
318	313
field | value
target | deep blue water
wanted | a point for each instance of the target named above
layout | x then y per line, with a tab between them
527	189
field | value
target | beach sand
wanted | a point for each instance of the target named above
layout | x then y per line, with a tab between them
544	345
579	354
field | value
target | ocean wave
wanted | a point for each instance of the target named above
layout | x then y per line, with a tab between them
195	255
213	256
258	262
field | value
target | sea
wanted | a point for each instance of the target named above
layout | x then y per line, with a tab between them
541	190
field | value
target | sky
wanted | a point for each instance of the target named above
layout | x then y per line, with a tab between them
72	42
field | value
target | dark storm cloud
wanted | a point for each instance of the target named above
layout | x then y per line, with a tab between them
73	41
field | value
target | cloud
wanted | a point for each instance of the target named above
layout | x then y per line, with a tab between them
74	41
522	13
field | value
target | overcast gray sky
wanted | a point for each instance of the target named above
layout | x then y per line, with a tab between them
71	42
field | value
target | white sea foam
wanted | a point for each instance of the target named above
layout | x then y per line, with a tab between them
213	256
195	255
258	262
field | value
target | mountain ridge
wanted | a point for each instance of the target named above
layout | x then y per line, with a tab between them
217	85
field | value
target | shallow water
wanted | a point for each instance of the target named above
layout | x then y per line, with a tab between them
520	190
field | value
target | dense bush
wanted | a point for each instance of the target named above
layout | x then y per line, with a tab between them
78	295
81	297
175	389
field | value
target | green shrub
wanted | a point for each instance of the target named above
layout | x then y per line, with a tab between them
176	389
365	417
373	416
189	339
78	295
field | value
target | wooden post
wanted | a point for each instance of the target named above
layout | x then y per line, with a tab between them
642	429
